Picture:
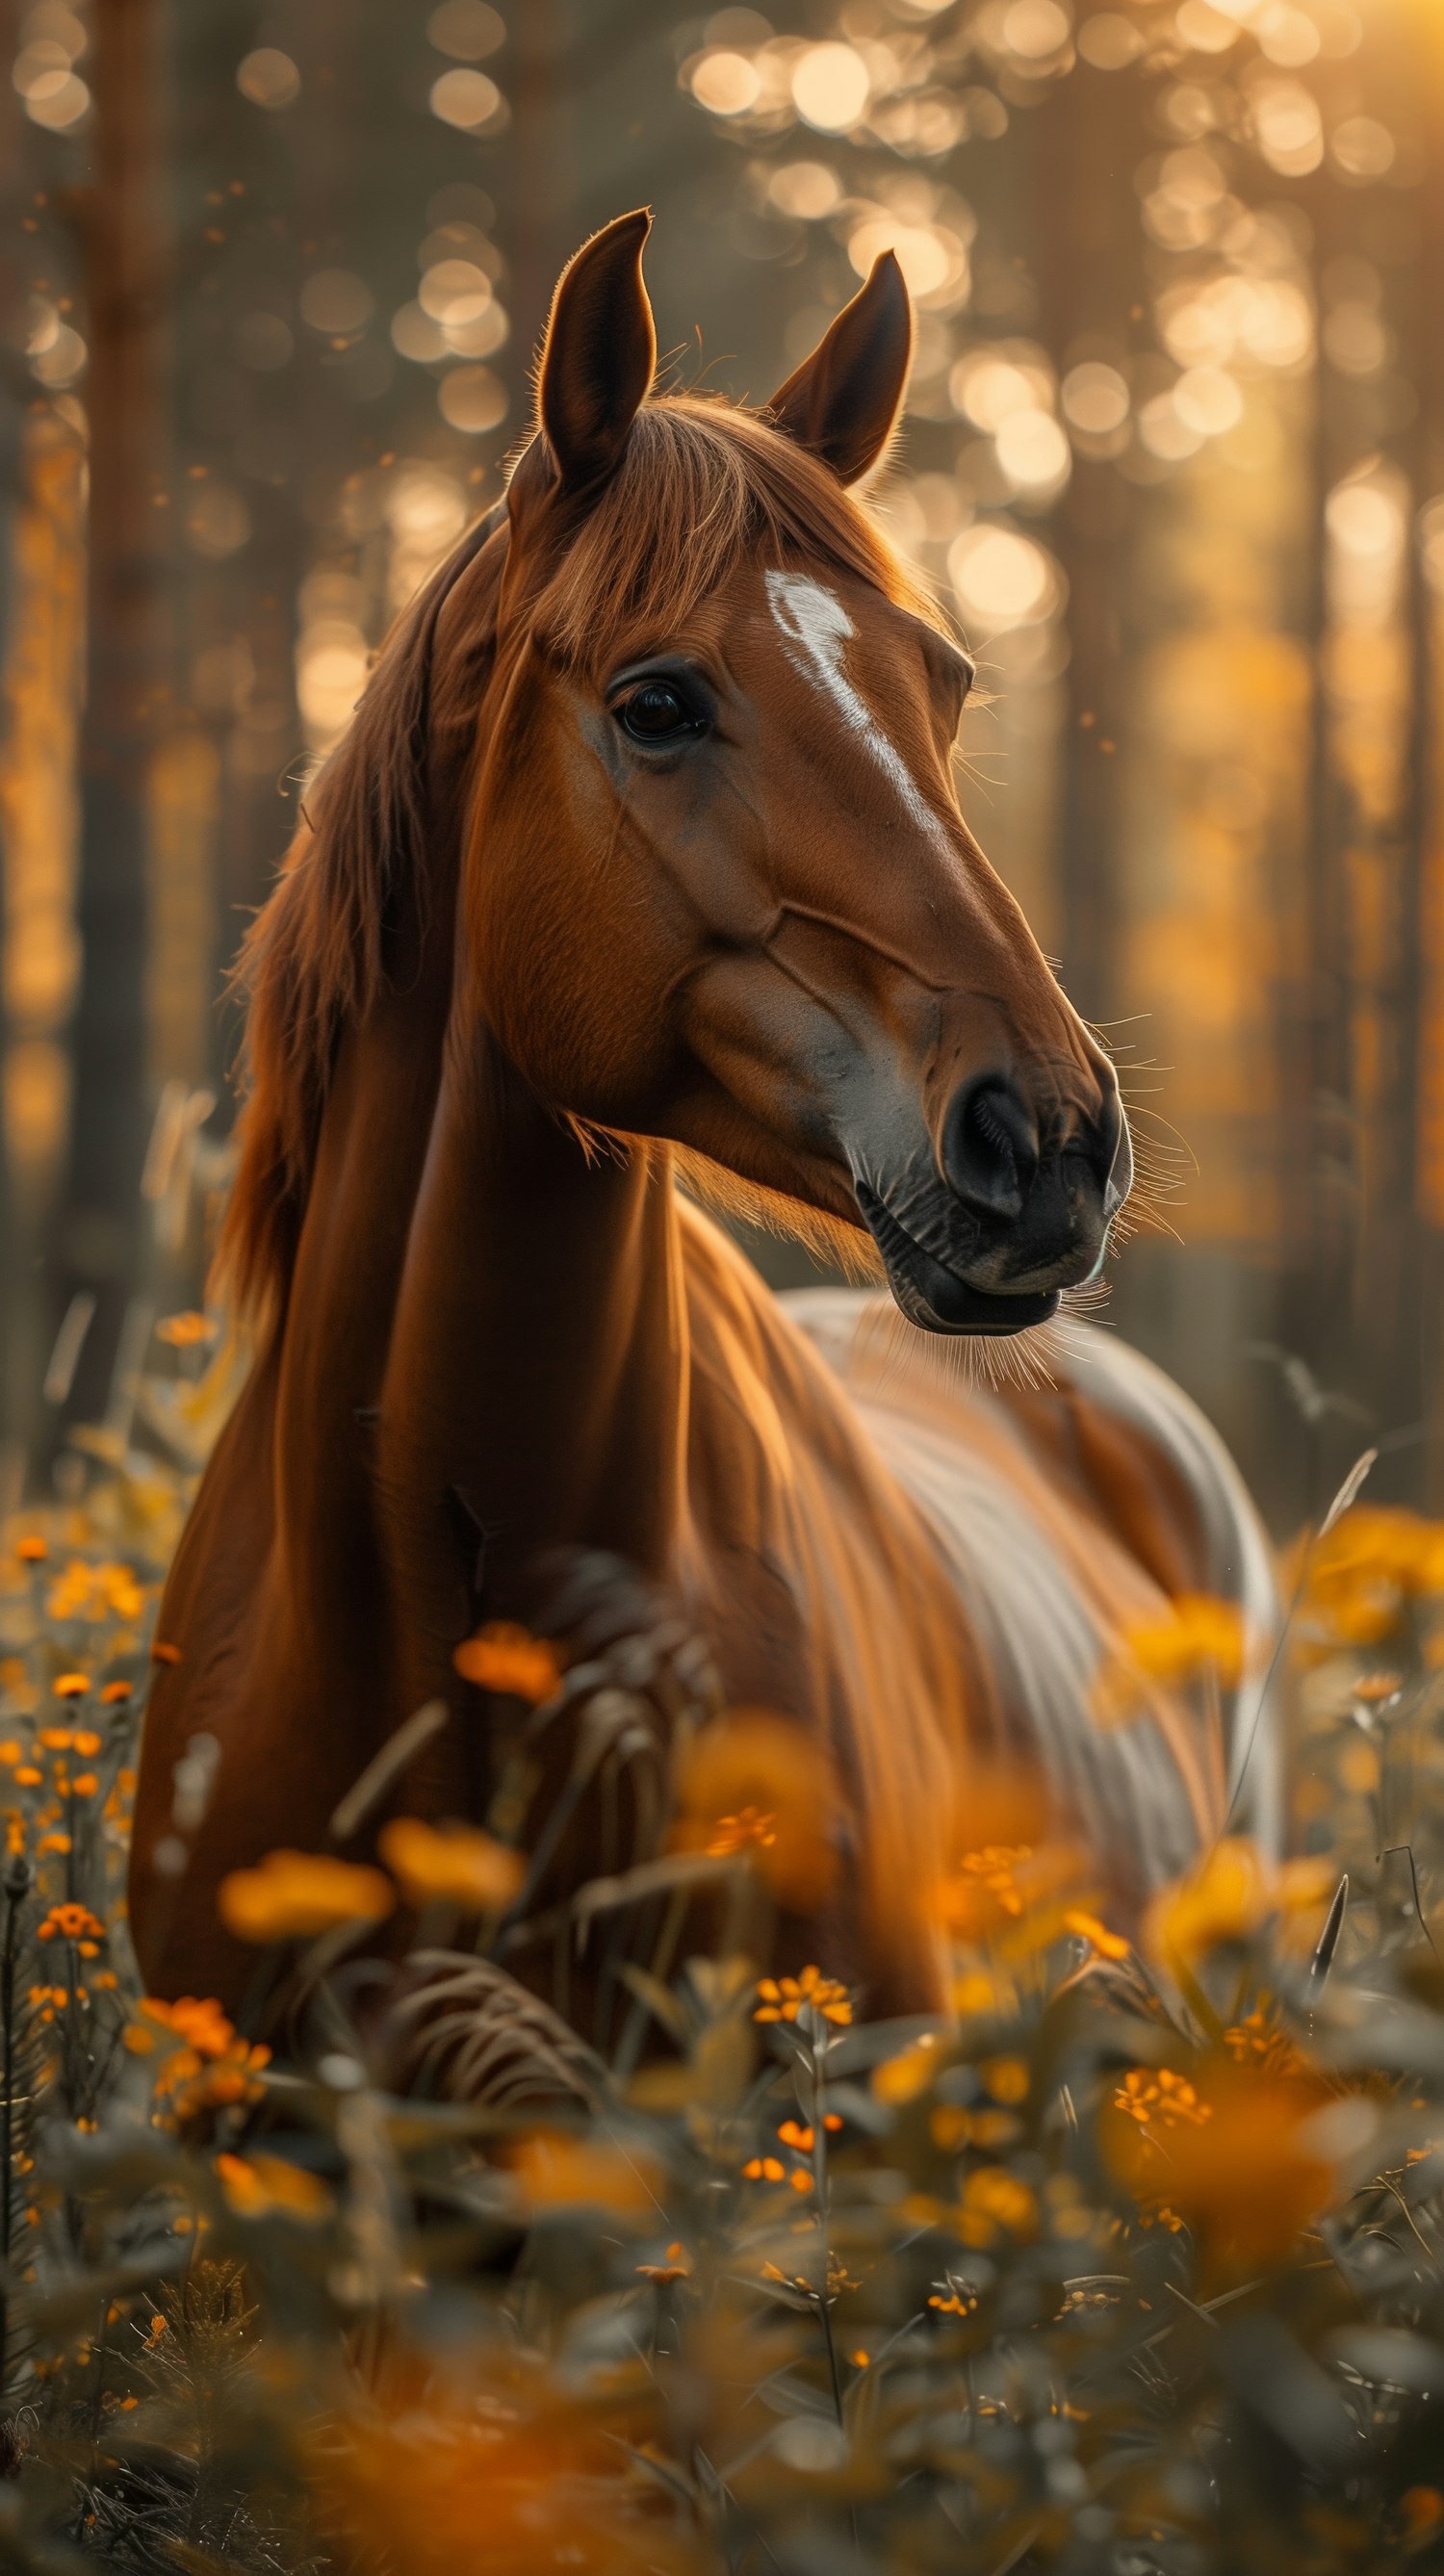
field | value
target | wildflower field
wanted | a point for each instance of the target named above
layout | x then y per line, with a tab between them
1133	2265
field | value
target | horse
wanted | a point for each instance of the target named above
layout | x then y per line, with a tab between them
640	880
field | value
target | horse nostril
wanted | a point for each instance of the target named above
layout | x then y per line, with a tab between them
990	1147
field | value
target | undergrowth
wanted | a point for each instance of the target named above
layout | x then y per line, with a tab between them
1131	2264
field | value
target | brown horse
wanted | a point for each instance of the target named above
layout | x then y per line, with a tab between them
643	856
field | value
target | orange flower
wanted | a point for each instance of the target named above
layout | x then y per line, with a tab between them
503	1657
202	2025
294	1895
1012	1896
786	1998
70	1923
1246	2156
675	2268
755	1785
1423	2511
1109	1945
31	1550
163	1653
115	1692
261	2186
184	1332
70	1685
558	2171
213	2068
458	1865
516	2478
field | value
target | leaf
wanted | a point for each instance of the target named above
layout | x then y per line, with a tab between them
866	2045
1349	1492
796	2397
649	1878
1323	1958
660	2001
396	1755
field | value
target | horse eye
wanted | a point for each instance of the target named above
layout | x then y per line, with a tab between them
657	712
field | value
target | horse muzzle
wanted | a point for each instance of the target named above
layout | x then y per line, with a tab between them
984	1236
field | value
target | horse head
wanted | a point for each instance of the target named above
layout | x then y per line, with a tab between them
720	891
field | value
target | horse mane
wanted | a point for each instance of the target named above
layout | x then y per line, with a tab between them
703	485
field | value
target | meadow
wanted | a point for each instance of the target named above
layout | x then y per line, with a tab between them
1132	2264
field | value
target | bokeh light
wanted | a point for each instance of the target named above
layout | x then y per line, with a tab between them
268	78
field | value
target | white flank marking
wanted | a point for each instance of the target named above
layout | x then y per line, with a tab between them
816	626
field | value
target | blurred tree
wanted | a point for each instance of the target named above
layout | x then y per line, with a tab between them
127	276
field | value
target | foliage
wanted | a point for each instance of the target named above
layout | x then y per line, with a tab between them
1131	2264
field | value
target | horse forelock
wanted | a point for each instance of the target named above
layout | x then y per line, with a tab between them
703	487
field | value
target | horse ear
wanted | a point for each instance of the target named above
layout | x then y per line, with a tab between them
841	403
600	353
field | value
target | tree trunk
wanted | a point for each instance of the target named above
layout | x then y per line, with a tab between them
125	265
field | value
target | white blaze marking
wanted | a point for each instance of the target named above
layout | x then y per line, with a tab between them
816	626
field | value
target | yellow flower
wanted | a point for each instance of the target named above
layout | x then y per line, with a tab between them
260	2186
1194	1636
294	1895
1358	1576
755	1784
1160	2098
900	2079
1226	1898
503	1657
1006	2078
95	1592
458	1865
995	2201
784	1998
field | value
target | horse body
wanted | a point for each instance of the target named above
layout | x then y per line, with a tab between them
546	944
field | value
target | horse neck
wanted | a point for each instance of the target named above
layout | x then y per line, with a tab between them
536	1376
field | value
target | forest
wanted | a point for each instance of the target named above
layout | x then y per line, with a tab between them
507	2220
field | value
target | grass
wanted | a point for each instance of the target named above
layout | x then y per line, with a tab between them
1133	2266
